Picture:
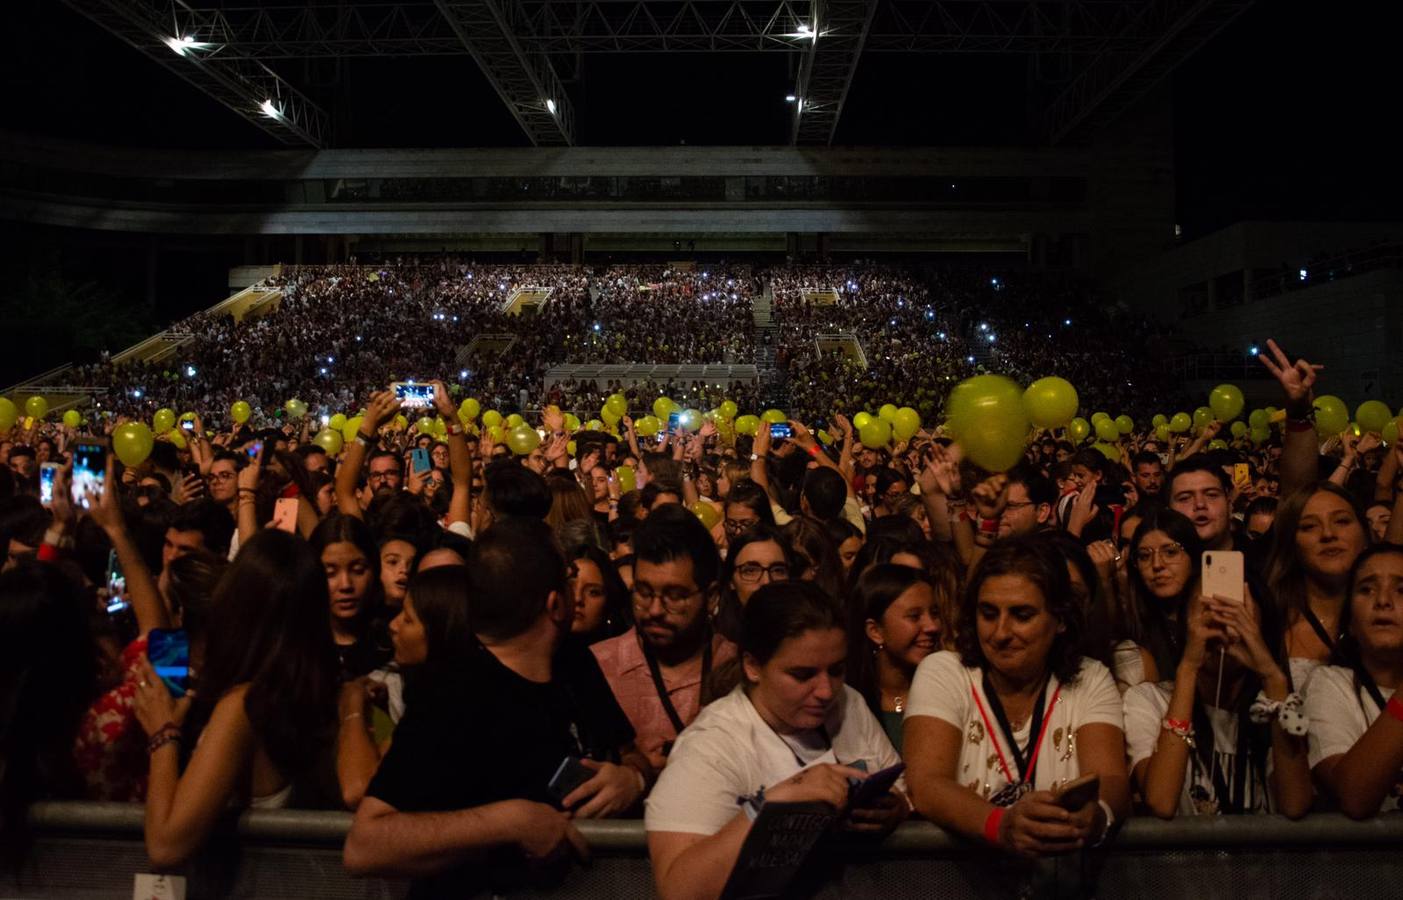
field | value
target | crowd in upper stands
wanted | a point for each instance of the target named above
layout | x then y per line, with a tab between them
474	645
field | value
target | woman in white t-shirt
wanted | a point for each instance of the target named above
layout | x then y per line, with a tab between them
792	731
1356	718
1226	735
993	729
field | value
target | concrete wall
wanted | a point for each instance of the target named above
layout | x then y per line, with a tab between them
1353	326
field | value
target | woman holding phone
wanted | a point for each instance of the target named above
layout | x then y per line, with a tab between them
994	728
792	731
1356	714
1226	735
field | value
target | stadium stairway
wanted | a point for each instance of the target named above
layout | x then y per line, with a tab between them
774	393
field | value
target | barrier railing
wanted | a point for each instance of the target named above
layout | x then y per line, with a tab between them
85	850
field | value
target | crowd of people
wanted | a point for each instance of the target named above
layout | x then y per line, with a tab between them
339	331
692	629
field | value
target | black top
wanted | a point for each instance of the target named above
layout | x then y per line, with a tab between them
475	732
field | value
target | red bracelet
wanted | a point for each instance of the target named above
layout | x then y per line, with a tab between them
988	526
991	825
1178	724
813	451
47	553
1394	707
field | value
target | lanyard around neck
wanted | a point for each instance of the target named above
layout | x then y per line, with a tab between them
661	687
1037	729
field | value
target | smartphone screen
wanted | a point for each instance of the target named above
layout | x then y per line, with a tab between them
187	425
413	395
89	471
254	449
780	431
673	420
47	473
116	585
169	652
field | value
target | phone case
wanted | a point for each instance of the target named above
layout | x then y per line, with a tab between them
1222	574
285	514
571	774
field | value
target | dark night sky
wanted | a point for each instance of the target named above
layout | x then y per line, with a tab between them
1287	114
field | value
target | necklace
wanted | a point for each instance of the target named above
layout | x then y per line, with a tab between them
898	703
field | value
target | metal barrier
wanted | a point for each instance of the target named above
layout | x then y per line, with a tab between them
87	851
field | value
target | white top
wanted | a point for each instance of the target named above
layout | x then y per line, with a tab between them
1301	669
730	752
1145	708
942	689
1129	665
1339	715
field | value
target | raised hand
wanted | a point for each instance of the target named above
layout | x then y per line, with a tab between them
1297	379
383	407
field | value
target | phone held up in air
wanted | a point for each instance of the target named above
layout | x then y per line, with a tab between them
1241	475
169	652
116	585
47	473
89	471
413	395
1222	575
187	425
420	460
253	449
285	514
780	431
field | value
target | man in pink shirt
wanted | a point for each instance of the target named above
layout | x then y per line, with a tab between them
658	669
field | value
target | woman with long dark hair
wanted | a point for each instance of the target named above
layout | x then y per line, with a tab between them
815	555
895	624
755	558
1318	534
351	562
265	711
1163	573
1355	712
48	679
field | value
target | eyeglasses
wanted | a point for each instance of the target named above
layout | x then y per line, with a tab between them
381	476
750	572
740	526
1169	553
1013	506
673	601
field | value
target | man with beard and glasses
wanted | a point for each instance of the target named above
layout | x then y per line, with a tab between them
659	668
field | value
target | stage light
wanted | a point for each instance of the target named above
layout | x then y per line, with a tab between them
1304	274
269	110
189	371
137	393
550	106
983	326
1253	350
1066	321
596	327
804	28
183	45
462	374
991	337
323	370
326	420
969	359
790	98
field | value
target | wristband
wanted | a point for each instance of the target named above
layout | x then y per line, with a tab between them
1394	707
1106	829
47	552
363	440
988	526
453	428
813	451
991	825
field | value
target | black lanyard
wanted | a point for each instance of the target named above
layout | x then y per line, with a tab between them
1319	628
1020	754
1366	681
661	688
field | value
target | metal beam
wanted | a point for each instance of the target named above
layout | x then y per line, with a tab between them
826	70
1164	34
245	86
416	27
491	31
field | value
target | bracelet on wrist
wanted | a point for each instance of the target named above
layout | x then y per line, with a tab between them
991	825
1182	729
166	735
1394	707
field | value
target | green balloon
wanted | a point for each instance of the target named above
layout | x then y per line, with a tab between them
1240	428
1390	432
1160	420
989	421
1051	402
647	426
906	423
1110	451
1162	433
337	422
163	421
1217	444
491	418
9	414
1226	402
240	411
329	440
1124	424
617	404
1078	429
1373	415
1202	416
1107	431
773	416
36	407
728	409
747	425
352	427
295	408
875	434
663	407
862	419
1331	415
72	418
468	409
132	443
522	439
1097	417
888	412
1180	423
1258	418
1258	435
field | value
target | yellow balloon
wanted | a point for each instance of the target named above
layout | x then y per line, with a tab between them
162	421
875	434
905	423
8	414
240	411
1051	402
352	428
72	418
888	412
492	418
989	421
861	419
36	407
628	481
337	422
707	514
176	438
523	439
329	440
728	409
515	420
469	409
132	443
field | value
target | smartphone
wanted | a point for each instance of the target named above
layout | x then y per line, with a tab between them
874	787
47	473
674	421
254	449
89	470
780	430
412	395
1077	793
420	460
187	425
1222	574
285	514
1241	475
169	652
571	774
116	585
